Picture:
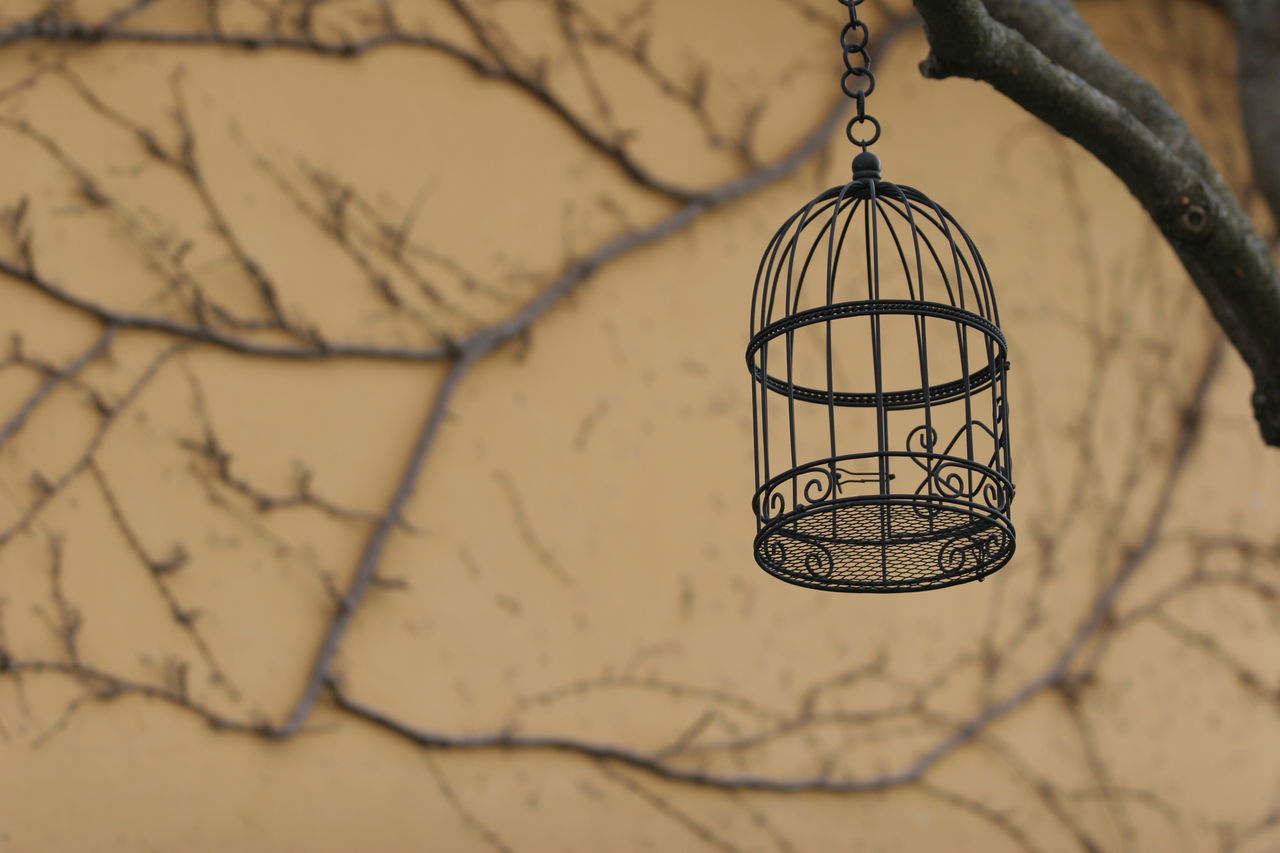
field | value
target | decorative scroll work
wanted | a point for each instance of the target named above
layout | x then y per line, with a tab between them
812	484
969	553
948	475
816	558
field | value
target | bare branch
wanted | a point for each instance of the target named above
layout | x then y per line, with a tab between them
1213	237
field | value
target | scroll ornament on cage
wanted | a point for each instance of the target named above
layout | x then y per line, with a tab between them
878	385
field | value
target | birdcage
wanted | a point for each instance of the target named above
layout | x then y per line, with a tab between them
878	385
878	382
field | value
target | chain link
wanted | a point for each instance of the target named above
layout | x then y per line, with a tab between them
857	64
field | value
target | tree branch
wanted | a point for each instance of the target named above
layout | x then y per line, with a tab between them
1126	125
1258	32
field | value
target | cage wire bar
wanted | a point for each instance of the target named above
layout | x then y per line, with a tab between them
915	365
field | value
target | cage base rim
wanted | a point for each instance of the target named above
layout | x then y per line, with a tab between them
977	572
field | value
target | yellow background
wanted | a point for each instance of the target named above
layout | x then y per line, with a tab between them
575	558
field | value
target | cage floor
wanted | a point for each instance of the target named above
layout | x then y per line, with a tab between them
884	547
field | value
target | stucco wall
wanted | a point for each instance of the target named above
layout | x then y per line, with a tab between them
194	493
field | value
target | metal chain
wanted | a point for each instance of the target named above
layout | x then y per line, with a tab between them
853	41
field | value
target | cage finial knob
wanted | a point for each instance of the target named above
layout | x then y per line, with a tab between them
866	165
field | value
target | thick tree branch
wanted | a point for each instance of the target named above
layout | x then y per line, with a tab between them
1061	34
1117	121
1258	31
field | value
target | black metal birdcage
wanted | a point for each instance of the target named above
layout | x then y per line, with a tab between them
878	383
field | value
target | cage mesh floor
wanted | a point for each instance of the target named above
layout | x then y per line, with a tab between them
884	547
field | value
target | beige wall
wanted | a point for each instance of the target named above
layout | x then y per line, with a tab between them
575	557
